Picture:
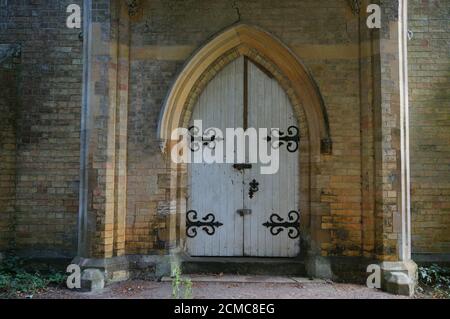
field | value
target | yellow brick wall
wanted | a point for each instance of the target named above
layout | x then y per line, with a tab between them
429	71
324	35
8	105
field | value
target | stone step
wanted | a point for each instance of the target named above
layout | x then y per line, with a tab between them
244	266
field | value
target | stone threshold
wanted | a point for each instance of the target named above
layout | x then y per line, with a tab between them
248	279
249	266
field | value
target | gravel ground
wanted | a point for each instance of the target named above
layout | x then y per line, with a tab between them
137	289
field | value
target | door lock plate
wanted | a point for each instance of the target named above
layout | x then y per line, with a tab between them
243	212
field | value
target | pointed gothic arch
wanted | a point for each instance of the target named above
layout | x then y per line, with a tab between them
261	47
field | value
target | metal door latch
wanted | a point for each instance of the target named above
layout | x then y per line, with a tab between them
241	167
243	212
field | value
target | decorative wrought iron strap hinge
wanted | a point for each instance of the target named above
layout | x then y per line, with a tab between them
209	138
277	224
208	224
279	138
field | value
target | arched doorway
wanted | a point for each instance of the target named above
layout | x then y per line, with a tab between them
278	63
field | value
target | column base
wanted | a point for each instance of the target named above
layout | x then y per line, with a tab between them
116	269
399	278
92	280
319	267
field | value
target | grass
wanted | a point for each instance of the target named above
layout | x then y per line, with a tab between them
17	280
181	287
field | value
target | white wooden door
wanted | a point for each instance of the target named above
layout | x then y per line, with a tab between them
244	95
217	189
271	230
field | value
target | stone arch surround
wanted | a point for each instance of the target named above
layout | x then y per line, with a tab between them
261	47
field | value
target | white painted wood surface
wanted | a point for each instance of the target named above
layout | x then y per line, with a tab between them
269	107
222	190
217	188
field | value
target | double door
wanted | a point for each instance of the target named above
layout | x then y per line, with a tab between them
234	209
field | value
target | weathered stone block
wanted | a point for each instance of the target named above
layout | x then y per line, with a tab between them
120	275
399	278
319	267
92	280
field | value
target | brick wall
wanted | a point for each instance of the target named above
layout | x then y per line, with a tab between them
324	35
108	126
8	104
164	33
429	71
48	124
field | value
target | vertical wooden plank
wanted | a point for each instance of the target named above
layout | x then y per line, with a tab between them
285	187
248	108
238	187
245	97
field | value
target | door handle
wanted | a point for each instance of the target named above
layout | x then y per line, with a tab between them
243	212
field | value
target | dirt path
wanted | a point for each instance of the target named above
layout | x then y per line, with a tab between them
229	289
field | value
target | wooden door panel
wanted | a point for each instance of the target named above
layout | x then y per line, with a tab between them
269	107
217	188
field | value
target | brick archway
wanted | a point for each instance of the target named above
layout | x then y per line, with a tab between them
279	61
